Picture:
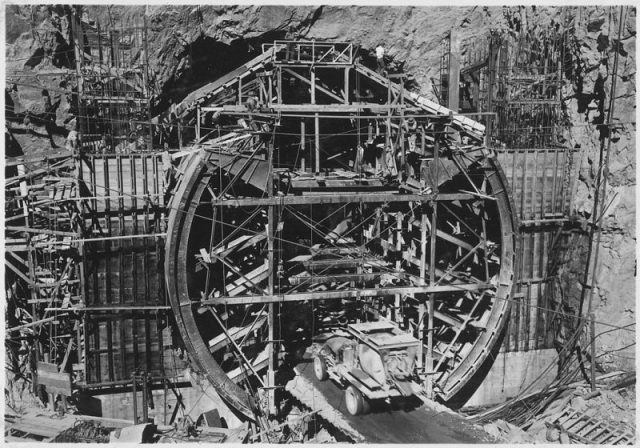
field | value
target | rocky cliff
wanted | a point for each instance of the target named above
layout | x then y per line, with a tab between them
192	45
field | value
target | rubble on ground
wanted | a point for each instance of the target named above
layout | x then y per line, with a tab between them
578	415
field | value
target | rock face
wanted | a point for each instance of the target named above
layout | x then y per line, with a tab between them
587	102
192	45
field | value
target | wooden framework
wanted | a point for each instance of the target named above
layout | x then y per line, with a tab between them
87	231
112	73
43	260
376	230
515	85
125	214
87	241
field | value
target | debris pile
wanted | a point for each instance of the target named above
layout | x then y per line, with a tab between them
575	415
84	431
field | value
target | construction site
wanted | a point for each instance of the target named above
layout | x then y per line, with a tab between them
320	224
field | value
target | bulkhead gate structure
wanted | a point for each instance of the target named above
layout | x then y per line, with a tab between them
307	191
325	193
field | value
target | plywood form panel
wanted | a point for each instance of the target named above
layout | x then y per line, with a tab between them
124	200
122	181
538	178
124	344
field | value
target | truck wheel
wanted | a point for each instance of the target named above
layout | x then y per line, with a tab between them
354	400
366	405
320	368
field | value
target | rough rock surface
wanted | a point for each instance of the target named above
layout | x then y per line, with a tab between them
587	103
192	45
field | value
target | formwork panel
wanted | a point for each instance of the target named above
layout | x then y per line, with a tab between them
124	344
539	179
120	182
121	266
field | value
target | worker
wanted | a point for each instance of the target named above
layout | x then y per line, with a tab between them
359	161
141	142
71	143
290	49
168	170
132	146
411	127
466	91
252	102
380	50
101	147
49	116
390	162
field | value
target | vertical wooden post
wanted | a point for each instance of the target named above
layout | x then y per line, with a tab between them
270	289
423	268
388	142
316	122
432	297
421	365
166	390
436	162
135	400
145	83
398	297
79	344
454	70
592	316
78	49
491	78
198	117
346	84
31	257
280	90
303	149
403	159
261	89
317	142
145	398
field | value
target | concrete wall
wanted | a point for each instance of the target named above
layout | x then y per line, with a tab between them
512	372
196	399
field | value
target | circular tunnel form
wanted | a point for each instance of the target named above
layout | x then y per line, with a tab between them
331	265
330	195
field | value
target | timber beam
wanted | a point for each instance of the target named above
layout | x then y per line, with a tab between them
341	198
349	294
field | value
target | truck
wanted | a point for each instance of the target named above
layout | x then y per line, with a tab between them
371	361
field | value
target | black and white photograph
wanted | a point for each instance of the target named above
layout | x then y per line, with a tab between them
319	223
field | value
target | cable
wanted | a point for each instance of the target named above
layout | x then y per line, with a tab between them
562	314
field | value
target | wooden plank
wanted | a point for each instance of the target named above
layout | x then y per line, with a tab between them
35	429
454	321
247	277
313	279
352	293
35	323
236	333
239	244
259	363
320	265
